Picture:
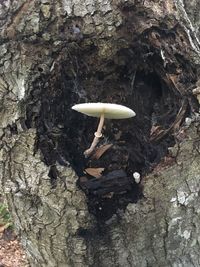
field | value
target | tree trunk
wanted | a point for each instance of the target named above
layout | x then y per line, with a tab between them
143	54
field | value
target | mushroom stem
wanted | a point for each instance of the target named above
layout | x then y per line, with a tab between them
98	135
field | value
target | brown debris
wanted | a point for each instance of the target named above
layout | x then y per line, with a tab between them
95	172
11	254
100	151
155	131
159	134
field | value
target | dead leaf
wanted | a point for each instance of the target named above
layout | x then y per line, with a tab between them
95	172
101	150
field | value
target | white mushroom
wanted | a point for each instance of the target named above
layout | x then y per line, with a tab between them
136	177
102	110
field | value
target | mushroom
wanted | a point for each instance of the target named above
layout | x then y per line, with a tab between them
136	177
102	110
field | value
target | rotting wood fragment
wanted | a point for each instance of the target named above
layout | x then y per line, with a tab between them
95	172
100	151
115	181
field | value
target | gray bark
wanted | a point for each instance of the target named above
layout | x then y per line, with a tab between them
37	39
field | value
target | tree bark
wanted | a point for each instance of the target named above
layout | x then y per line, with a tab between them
144	54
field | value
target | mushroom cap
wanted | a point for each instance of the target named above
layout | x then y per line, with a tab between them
110	111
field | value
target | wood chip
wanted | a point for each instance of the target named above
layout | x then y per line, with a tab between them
100	151
95	172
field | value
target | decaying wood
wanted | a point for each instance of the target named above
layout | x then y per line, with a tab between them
100	151
115	181
95	172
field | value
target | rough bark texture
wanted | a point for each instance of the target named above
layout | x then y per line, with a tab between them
56	53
